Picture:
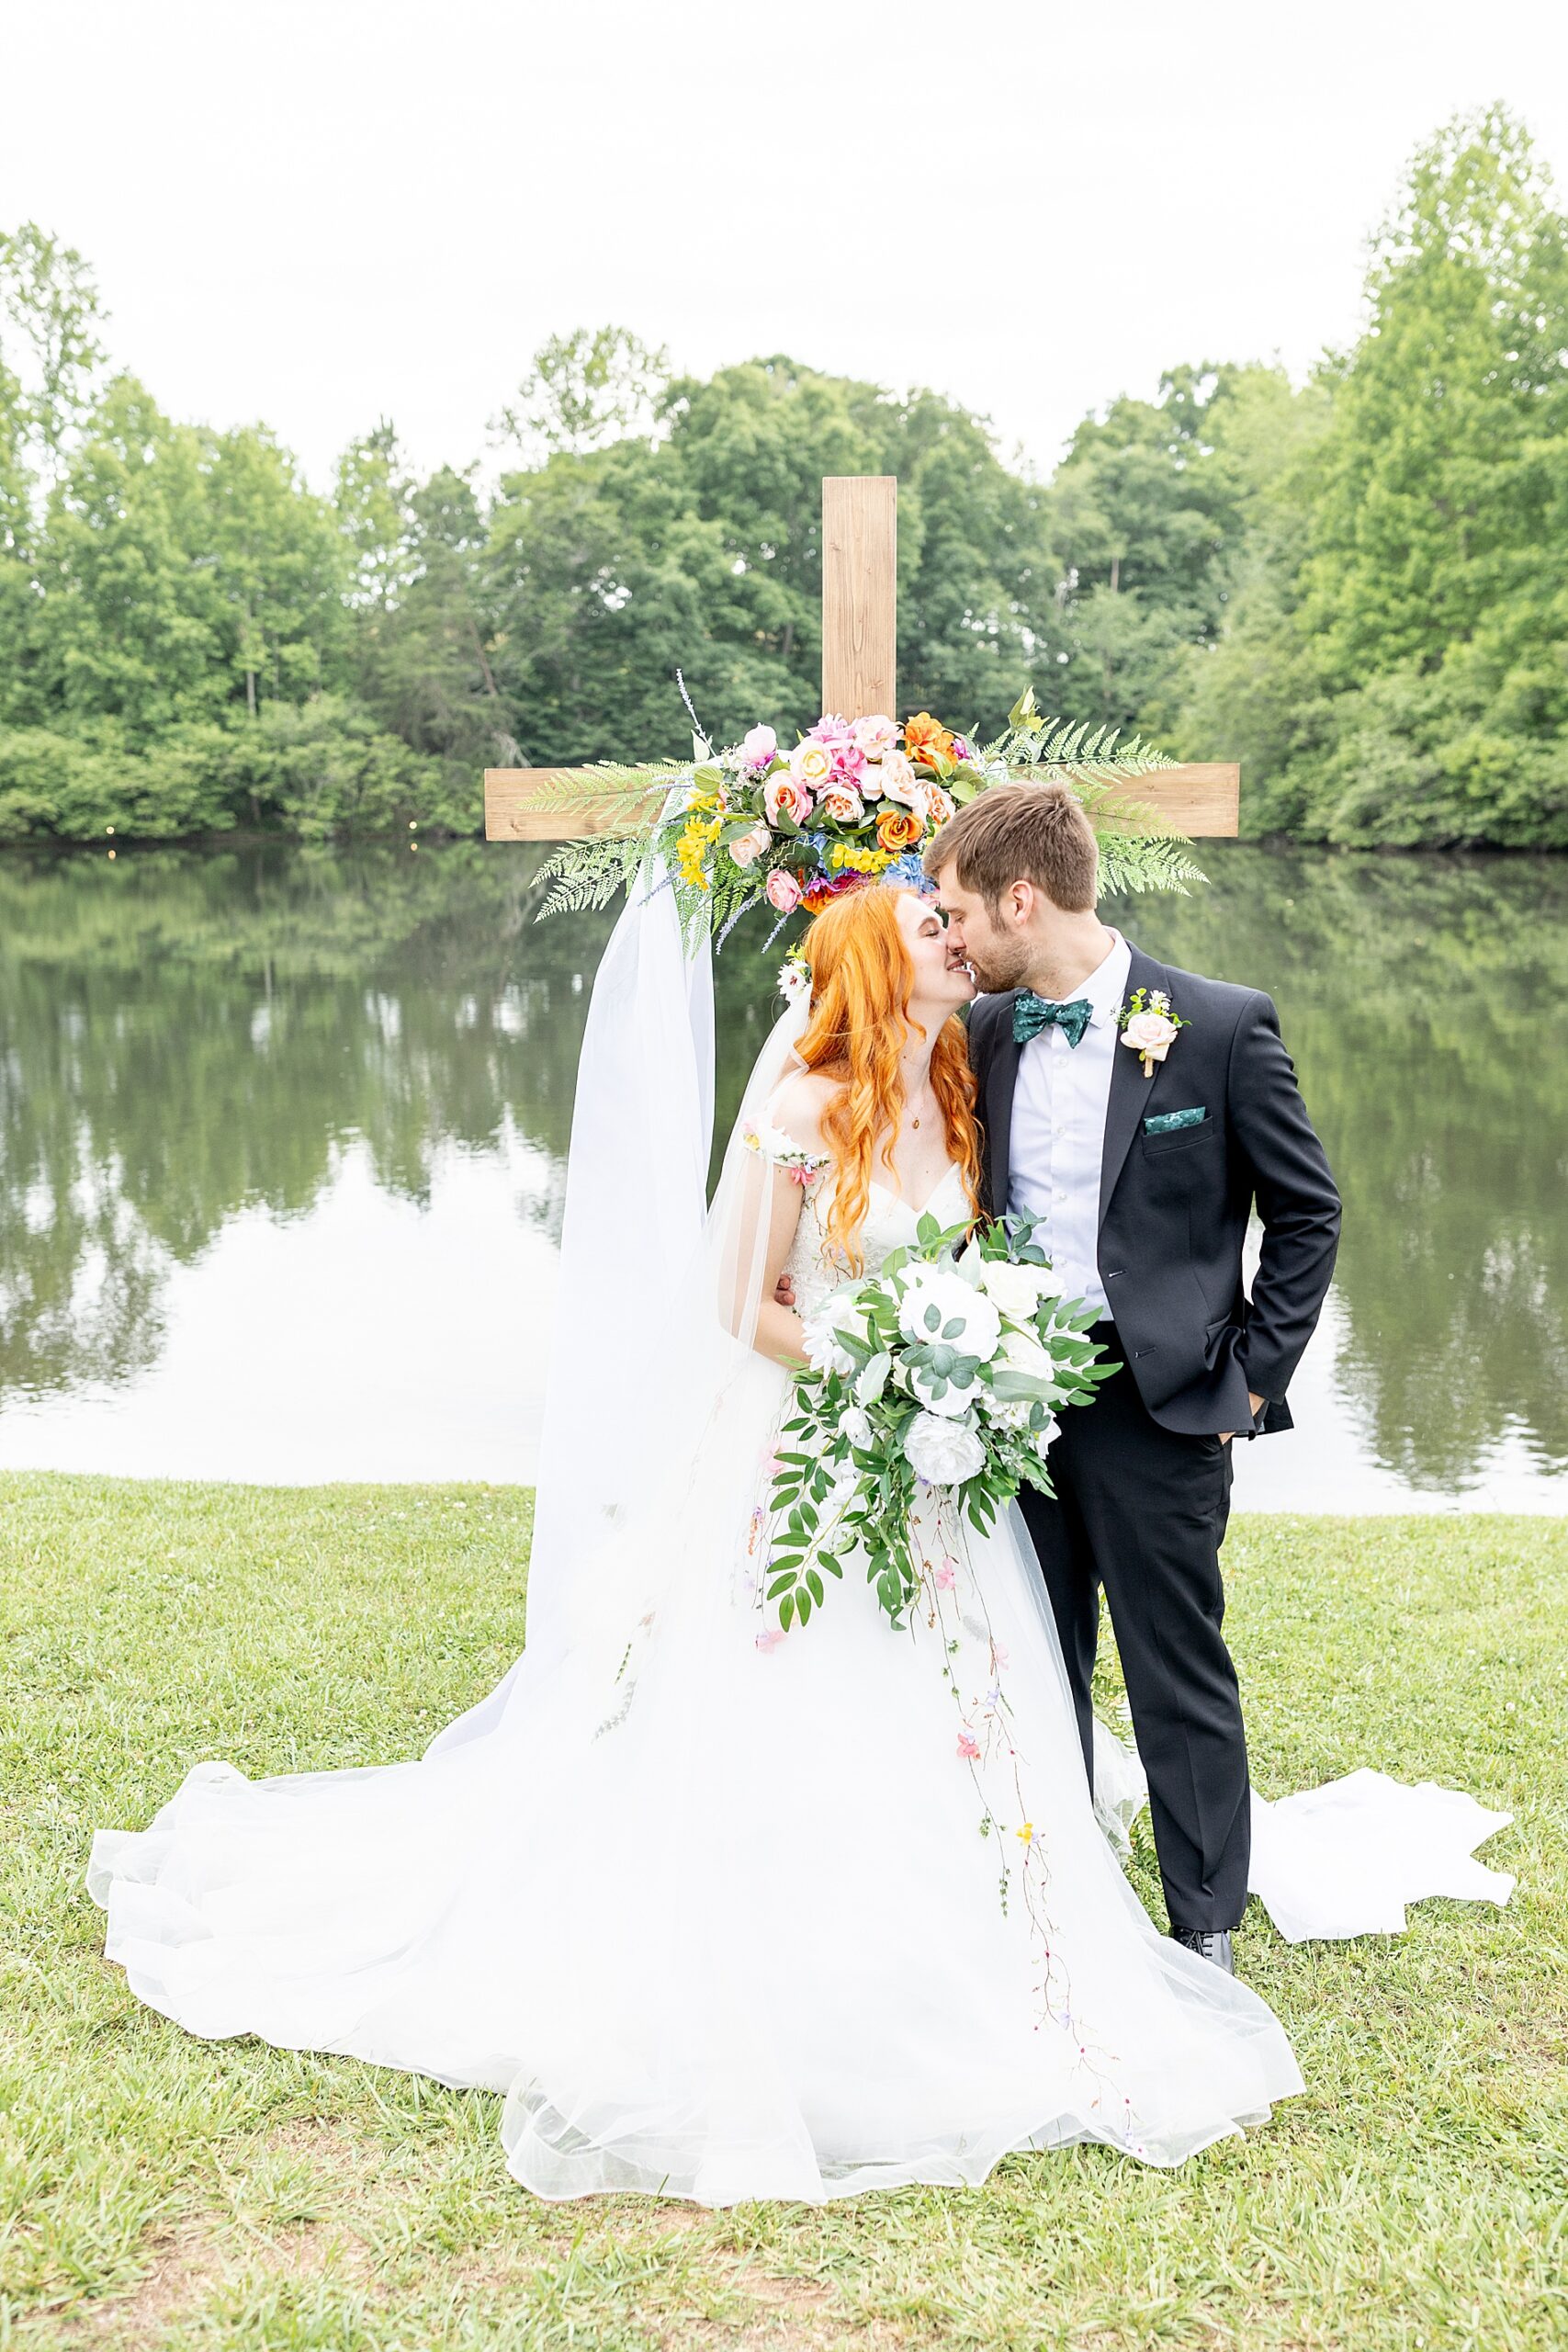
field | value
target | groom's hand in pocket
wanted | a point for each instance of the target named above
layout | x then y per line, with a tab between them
1226	1435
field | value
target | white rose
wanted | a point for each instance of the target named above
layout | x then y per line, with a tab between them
823	1325
1021	1353
856	1426
900	783
842	803
1018	1290
943	1452
871	786
937	1298
1149	1033
749	846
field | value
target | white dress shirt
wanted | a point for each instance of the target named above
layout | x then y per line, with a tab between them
1058	1130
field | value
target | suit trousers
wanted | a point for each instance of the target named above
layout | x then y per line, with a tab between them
1142	1510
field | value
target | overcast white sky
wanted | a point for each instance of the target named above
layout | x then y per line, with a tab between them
318	212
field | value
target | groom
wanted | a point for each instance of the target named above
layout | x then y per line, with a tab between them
1143	1166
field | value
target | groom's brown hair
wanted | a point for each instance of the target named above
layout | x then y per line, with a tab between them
1021	832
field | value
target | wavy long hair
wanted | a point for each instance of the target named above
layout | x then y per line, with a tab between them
862	978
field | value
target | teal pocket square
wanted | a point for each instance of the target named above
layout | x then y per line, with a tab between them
1165	1123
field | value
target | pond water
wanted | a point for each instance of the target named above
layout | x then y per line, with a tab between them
282	1133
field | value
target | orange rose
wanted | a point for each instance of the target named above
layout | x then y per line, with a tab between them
926	738
897	829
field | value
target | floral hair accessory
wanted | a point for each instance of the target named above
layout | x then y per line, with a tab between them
1149	1026
795	977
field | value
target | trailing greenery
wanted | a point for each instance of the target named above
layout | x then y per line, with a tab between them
1355	586
163	2192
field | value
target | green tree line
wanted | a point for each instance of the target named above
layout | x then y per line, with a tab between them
1356	585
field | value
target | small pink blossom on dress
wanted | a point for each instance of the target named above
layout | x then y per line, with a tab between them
944	1577
771	1639
968	1746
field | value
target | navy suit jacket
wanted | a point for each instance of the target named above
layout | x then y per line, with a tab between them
1174	1207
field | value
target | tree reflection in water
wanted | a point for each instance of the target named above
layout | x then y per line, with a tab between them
187	1034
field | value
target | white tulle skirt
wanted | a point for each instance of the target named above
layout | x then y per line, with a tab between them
729	1916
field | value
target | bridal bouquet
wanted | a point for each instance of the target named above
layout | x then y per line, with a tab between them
946	1371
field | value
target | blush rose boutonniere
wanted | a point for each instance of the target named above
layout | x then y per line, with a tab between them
1149	1026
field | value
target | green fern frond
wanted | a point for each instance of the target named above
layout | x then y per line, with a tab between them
622	799
586	874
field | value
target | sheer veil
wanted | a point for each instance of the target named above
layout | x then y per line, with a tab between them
656	1294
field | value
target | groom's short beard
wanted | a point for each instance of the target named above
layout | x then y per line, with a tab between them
1001	965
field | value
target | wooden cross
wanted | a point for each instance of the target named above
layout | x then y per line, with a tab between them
860	621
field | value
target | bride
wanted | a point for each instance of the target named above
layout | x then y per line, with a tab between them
725	1913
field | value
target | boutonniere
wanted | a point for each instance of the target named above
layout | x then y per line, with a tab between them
1149	1026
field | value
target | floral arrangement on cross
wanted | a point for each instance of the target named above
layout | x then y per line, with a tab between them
851	801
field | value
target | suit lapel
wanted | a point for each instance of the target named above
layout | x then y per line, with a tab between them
1130	1089
1001	1078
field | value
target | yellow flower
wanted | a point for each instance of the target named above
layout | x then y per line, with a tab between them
691	849
844	854
1027	1833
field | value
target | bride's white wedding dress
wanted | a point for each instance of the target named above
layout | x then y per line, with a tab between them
726	1913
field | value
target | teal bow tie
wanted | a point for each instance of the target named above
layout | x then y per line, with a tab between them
1031	1013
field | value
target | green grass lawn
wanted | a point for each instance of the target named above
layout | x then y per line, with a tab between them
158	2190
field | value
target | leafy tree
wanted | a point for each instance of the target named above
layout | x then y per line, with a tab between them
584	390
49	347
1396	668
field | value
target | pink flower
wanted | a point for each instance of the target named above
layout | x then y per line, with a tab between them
771	1639
750	847
843	804
832	731
999	1657
961	748
876	736
968	1746
782	891
944	1577
758	747
839	739
783	790
940	809
1149	1033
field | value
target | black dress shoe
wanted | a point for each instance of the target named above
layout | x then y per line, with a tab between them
1210	1943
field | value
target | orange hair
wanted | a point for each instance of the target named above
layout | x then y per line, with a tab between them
861	977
